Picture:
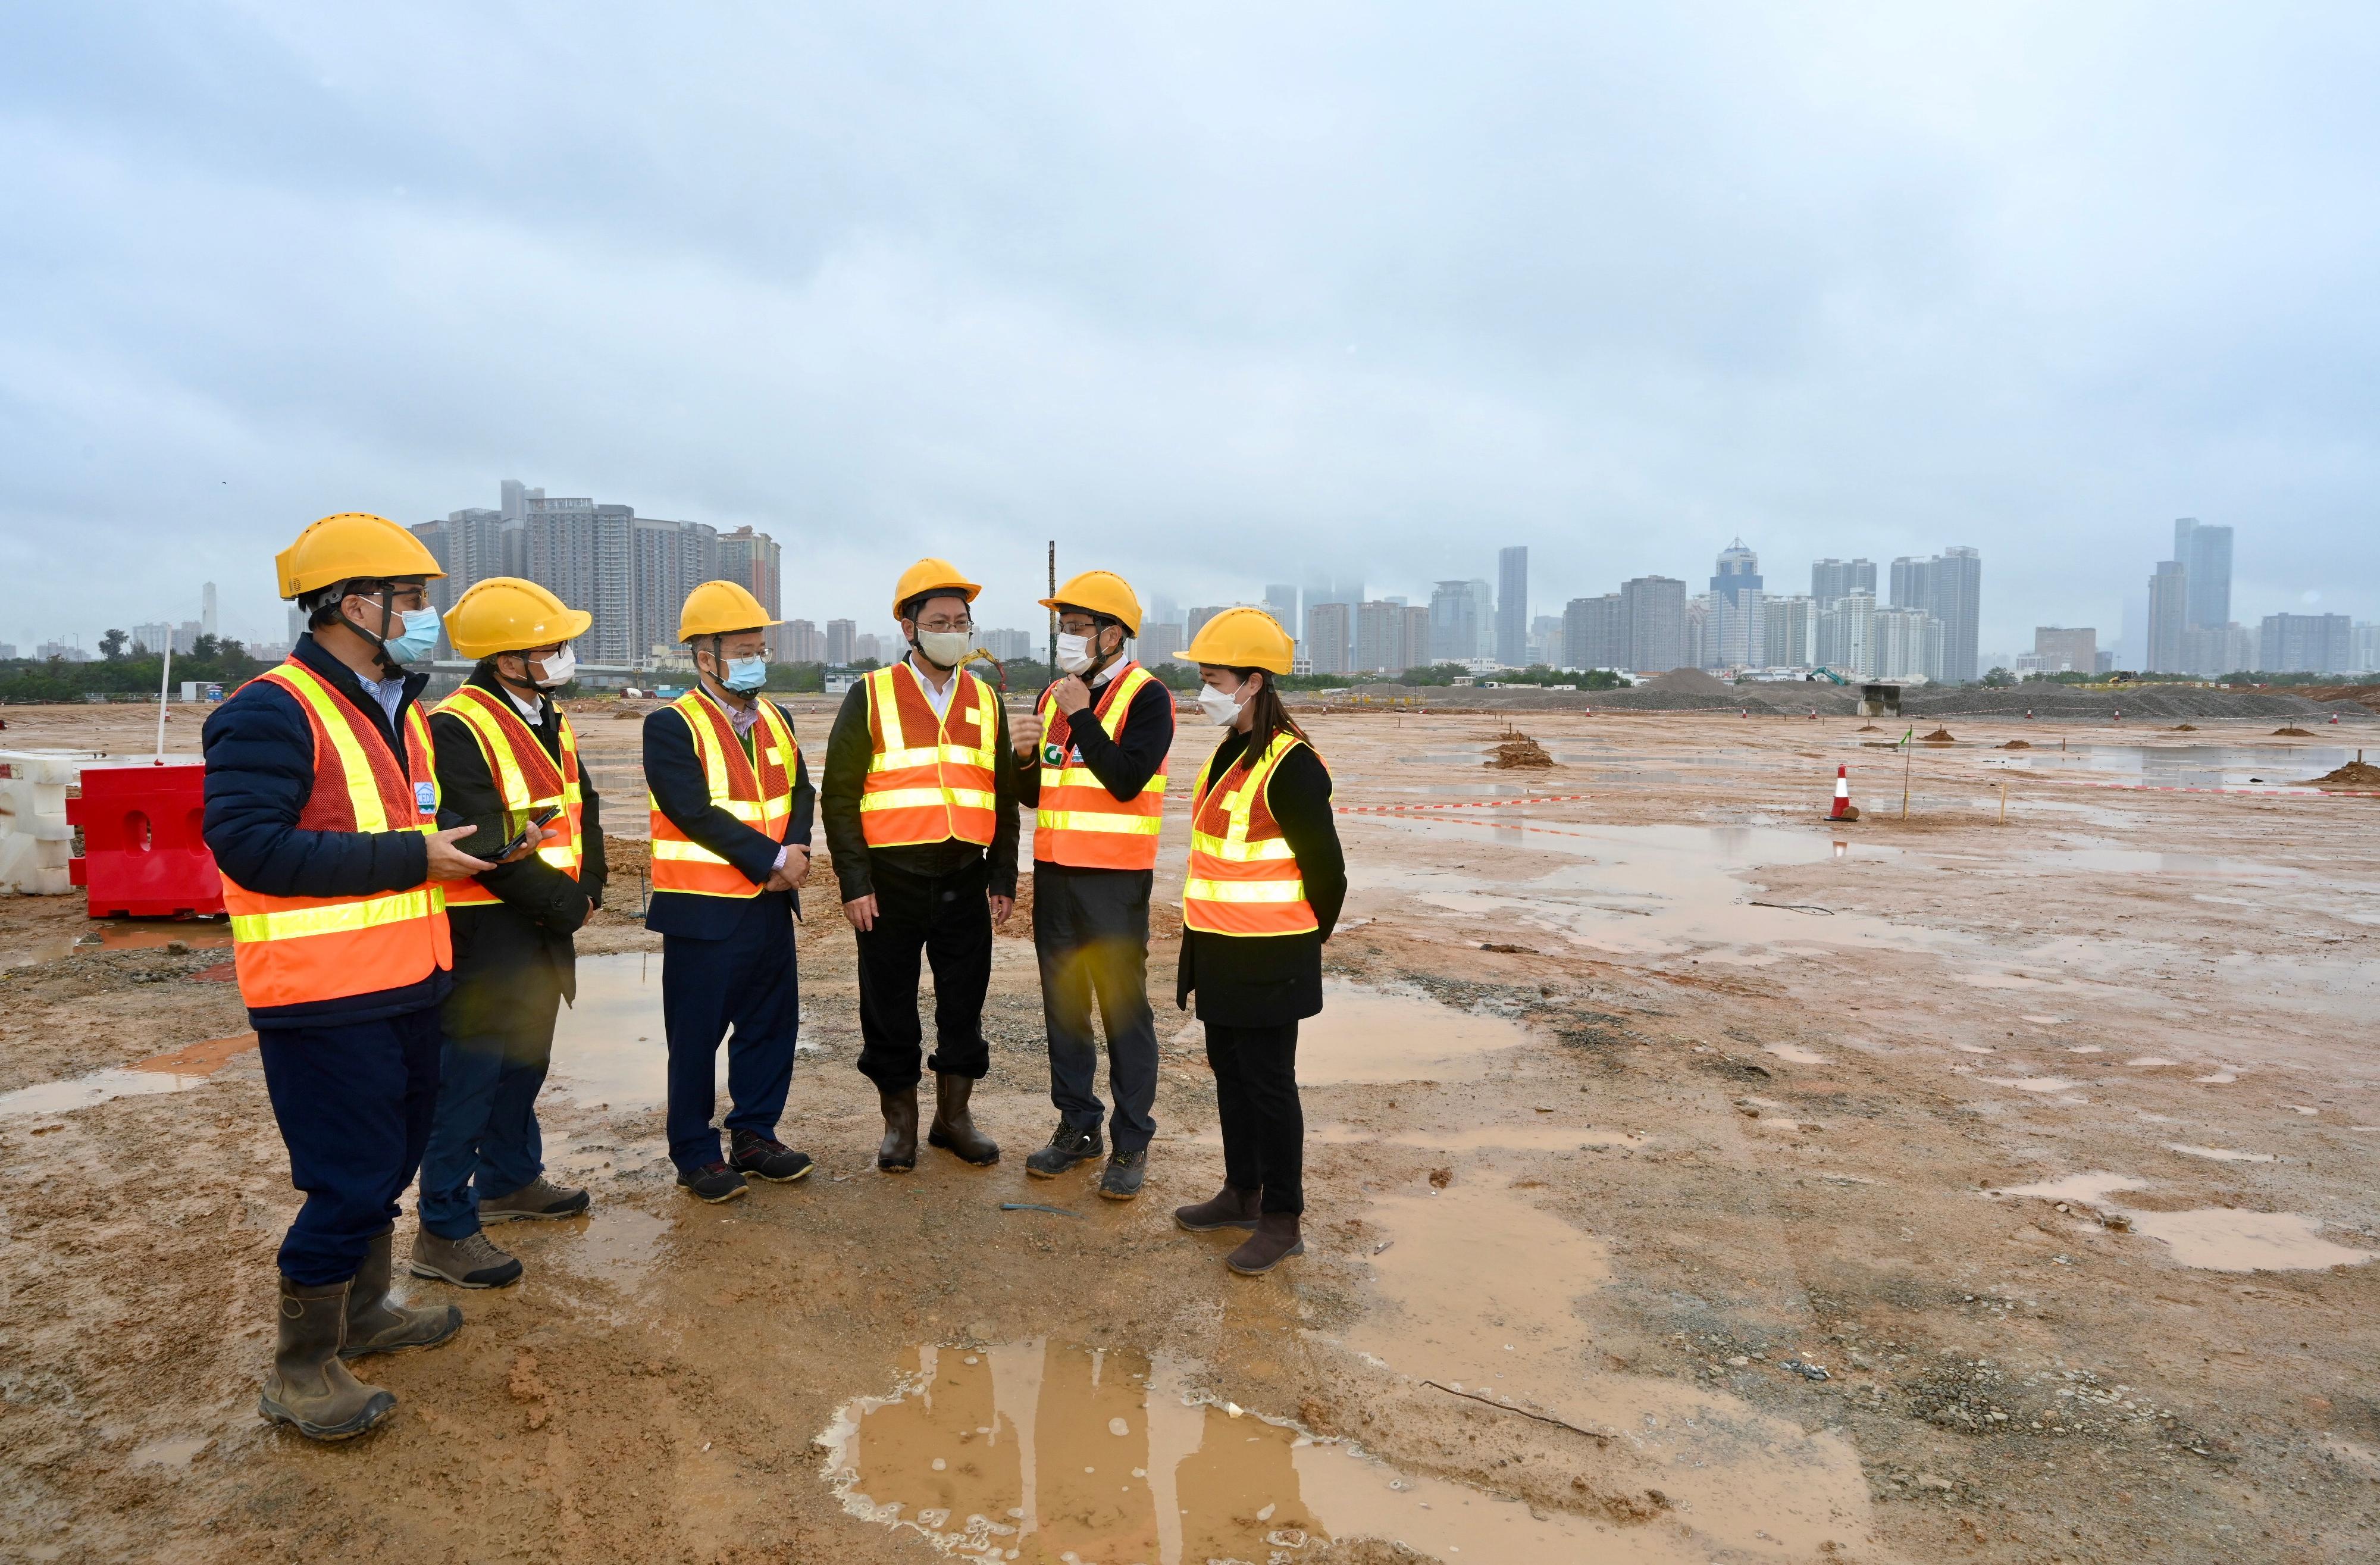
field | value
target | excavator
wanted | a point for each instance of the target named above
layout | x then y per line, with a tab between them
1875	700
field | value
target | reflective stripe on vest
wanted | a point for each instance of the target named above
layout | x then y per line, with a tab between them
1244	877
760	795
1078	822
526	776
299	951
930	779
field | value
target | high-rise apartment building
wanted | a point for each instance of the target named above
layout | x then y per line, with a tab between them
1656	609
154	637
207	608
1595	632
1830	578
1789	632
1159	642
1908	644
2307	644
1329	631
1544	641
2204	553
753	560
1320	590
298	624
1195	617
2168	619
804	644
1950	587
1385	637
1513	607
1847	636
1281	602
840	638
2058	648
1453	623
2363	652
1733	638
2218	649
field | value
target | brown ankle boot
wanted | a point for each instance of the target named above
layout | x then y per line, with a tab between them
898	1152
1274	1242
1231	1207
953	1128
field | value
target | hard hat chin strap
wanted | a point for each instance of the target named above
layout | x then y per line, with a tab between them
387	611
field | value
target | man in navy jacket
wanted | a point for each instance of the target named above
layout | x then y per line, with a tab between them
727	932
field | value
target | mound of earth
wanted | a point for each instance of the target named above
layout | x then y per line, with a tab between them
1940	736
2183	728
1686	681
2354	775
1516	751
2018	744
2292	731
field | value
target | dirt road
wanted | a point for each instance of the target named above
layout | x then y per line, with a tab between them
1689	1180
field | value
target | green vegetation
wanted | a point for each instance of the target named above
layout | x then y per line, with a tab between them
214	661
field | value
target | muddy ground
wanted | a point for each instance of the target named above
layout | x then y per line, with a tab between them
1688	1179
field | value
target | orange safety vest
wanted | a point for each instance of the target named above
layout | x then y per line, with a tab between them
1079	823
526	776
760	795
930	779
1244	878
297	951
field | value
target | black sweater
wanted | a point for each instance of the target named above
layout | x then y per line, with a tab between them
1265	980
1123	767
845	777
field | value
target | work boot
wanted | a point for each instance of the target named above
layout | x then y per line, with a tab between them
310	1389
898	1151
772	1161
713	1183
953	1128
1274	1242
539	1200
377	1324
1231	1207
1067	1147
472	1261
1120	1182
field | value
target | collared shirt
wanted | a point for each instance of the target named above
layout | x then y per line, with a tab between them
532	711
937	696
389	692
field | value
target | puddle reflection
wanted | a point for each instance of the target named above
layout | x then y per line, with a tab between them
122	934
179	1071
1054	1455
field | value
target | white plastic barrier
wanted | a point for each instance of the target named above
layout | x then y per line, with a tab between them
35	840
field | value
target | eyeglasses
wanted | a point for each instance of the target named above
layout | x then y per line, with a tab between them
1082	625
944	625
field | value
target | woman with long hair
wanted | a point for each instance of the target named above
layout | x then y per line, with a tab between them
1267	879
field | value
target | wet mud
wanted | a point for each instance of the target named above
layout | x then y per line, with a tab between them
1688	1179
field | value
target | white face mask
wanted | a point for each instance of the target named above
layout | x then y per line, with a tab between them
944	649
559	668
1222	706
1073	652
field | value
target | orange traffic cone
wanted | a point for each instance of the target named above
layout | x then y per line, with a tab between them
1844	809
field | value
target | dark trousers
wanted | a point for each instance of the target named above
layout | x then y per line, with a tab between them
1255	1095
354	1104
1090	931
484	1140
745	980
947	917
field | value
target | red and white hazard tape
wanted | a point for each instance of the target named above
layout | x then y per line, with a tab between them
1462	804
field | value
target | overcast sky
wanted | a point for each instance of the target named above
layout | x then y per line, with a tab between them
1214	295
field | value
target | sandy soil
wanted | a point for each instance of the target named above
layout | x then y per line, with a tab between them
1688	1179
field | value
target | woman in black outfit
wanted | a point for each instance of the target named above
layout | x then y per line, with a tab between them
1266	883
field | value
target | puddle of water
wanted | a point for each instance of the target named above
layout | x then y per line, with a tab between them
1385	1034
1478	1291
1796	1053
120	934
2196	766
173	1451
2223	1076
2045	1021
1642	891
2220	1154
2034	1084
2152	1060
2084	1049
1974	1049
183	1069
1053	1455
2219	1239
2091	1187
616	1242
202	1059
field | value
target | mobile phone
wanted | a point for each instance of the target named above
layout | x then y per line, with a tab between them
529	832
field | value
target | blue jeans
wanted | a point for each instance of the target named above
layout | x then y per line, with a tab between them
354	1104
746	981
484	1140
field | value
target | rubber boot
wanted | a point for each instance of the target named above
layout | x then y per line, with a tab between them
1275	1240
898	1152
1231	1207
953	1128
310	1389
376	1324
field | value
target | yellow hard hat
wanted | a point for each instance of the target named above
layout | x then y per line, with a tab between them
504	613
932	575
1103	592
1242	638
349	546
721	608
